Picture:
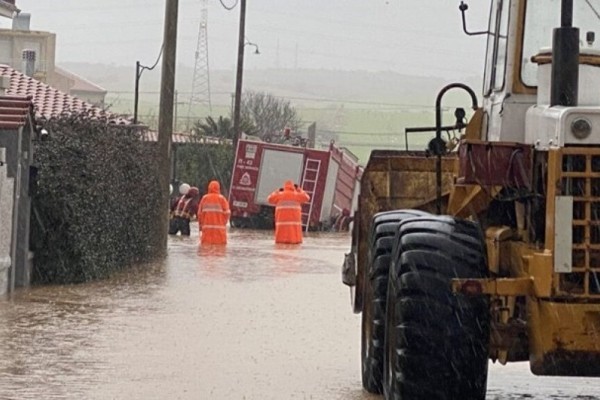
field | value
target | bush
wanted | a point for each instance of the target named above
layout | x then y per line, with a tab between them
199	163
97	201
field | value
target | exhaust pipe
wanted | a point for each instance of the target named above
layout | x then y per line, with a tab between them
565	60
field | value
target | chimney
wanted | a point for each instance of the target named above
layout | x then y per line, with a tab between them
21	22
312	135
29	62
4	84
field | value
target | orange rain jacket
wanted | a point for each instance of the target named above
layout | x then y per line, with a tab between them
213	214
288	213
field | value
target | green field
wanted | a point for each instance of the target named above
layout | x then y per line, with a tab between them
359	128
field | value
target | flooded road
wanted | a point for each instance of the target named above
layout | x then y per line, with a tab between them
252	321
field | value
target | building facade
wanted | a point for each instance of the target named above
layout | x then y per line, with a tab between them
16	159
40	48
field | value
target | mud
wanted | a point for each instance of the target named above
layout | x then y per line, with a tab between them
252	321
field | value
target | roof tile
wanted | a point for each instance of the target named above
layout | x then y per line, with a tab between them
14	111
50	102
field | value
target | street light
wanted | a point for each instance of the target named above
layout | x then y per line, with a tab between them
242	42
238	82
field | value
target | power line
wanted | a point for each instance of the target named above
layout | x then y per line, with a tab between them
380	146
104	7
229	8
310	99
139	70
593	9
362	133
143	67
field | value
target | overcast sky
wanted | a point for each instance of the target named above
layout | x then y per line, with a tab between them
421	37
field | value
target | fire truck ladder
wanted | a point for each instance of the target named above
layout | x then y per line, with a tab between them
309	184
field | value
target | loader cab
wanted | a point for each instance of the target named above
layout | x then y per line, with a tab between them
519	40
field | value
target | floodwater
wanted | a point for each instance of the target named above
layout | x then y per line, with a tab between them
252	321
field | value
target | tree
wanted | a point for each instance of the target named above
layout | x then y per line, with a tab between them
269	114
221	128
200	163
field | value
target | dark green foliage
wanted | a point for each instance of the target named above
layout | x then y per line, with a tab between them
221	128
97	202
199	163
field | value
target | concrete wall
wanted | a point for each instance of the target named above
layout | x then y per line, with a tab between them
12	44
6	222
19	158
95	98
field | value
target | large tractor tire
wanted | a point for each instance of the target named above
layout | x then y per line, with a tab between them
436	345
383	233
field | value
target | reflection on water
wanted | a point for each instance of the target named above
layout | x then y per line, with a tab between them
157	331
252	320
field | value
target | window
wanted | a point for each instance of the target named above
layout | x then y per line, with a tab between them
501	44
542	16
497	45
6	51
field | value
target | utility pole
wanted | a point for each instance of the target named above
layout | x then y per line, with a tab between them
165	116
136	95
240	73
175	111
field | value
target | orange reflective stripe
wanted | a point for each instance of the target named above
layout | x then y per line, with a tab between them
214	227
288	205
288	223
212	207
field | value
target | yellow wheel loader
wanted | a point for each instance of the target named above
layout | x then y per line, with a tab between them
488	247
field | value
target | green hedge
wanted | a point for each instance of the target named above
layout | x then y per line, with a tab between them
199	163
97	201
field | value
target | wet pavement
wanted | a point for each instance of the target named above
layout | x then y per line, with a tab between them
251	321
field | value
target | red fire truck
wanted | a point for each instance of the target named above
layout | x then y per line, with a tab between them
331	177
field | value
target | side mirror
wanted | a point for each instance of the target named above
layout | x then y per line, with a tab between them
463	7
460	116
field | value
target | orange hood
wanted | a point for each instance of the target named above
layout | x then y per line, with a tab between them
288	185
214	187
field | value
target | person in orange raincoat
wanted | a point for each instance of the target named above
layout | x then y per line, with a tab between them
213	214
288	212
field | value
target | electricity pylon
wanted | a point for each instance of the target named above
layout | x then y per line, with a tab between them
200	93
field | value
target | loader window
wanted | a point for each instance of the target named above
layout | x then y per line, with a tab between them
497	45
542	16
501	44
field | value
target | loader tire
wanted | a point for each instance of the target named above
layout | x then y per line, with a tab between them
383	233
436	344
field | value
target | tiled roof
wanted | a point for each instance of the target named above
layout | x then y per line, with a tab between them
79	83
50	102
8	8
182	138
9	4
14	111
